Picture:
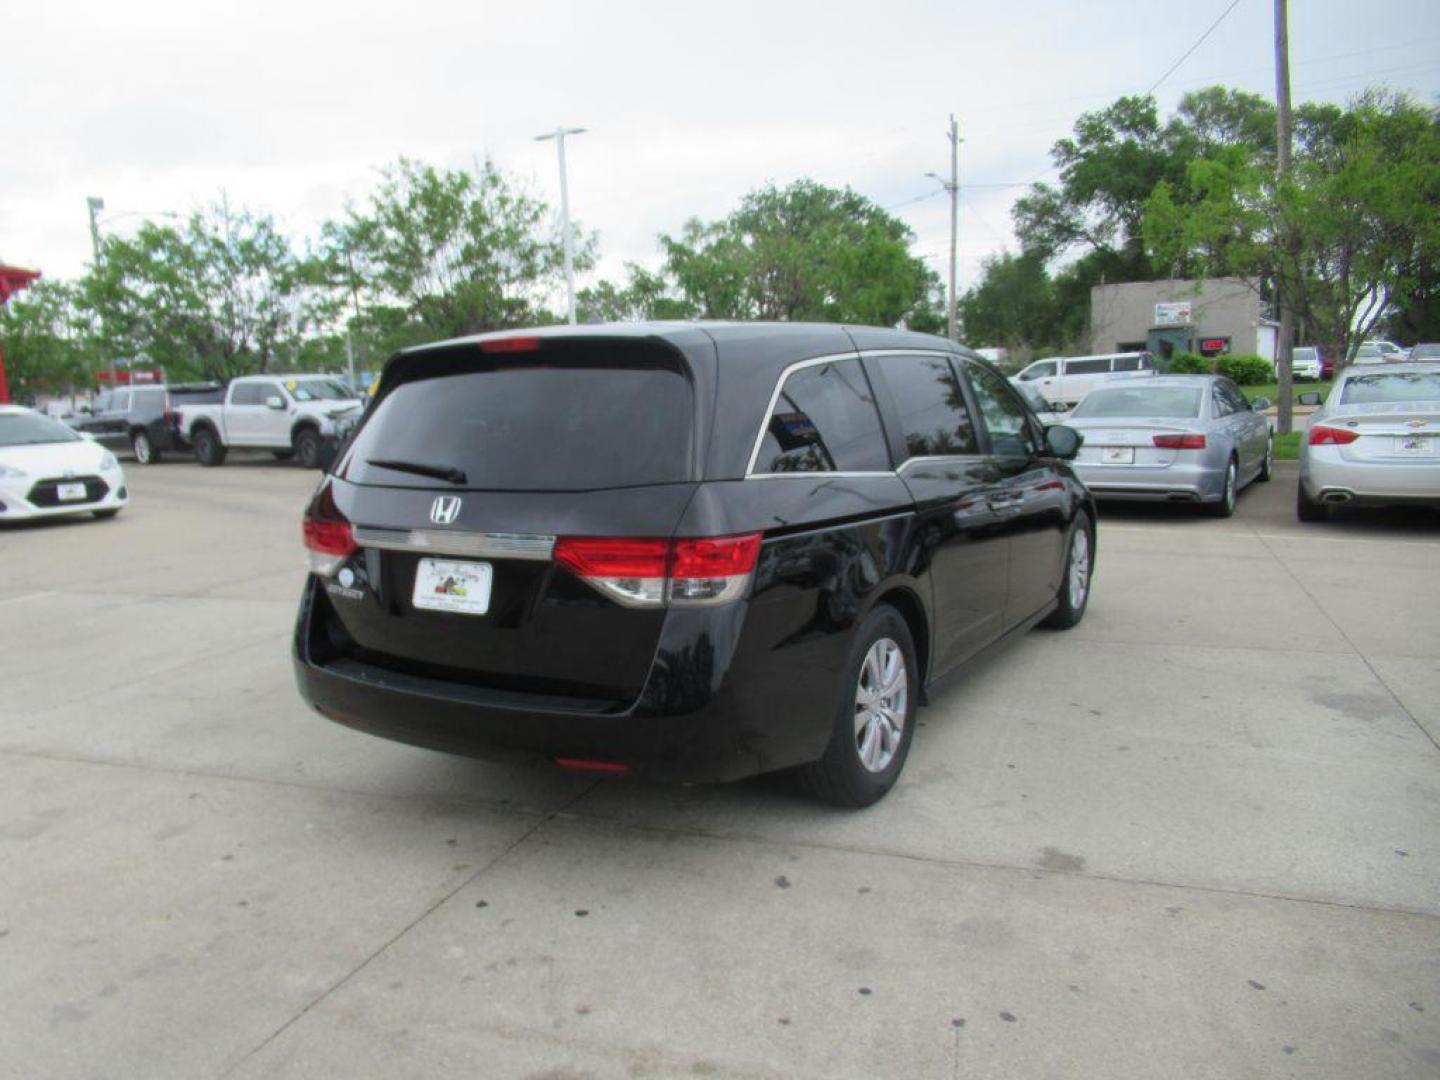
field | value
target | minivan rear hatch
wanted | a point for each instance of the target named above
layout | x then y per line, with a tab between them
473	461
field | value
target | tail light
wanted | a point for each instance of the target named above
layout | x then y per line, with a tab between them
658	573
1320	435
1191	440
510	345
329	537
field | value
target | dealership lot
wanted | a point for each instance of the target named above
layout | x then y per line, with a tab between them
1199	835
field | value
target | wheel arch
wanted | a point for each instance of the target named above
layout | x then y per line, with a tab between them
904	599
305	423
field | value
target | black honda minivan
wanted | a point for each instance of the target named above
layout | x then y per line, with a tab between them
696	551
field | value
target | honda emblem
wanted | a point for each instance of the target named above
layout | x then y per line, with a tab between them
445	509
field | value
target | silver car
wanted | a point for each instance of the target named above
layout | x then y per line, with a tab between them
1174	438
1374	442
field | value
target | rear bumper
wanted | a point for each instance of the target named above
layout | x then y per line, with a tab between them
691	722
1173	483
1327	477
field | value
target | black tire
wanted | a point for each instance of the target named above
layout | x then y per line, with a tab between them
283	455
1307	509
103	514
1267	467
143	448
209	450
840	777
1226	506
1067	611
308	448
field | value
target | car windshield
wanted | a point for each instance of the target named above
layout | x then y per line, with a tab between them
30	429
1304	355
1388	386
319	390
1179	402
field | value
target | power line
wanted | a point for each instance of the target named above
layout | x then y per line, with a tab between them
1199	41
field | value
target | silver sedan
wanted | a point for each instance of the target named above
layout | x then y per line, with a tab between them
1176	438
1374	442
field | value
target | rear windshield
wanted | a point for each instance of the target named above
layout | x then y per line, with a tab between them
1391	386
1179	402
577	416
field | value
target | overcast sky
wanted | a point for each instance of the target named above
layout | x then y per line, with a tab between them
291	107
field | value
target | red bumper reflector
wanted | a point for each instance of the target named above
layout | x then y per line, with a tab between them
586	765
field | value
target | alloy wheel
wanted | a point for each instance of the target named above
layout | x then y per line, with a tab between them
1079	569
882	698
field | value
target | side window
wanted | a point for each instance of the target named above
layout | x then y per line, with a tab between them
1238	402
1147	362
1043	370
1093	366
1004	416
825	420
1220	404
934	419
247	394
1127	363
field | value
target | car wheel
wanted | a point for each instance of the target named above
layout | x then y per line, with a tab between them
1267	467
1307	509
307	448
1226	506
208	449
143	449
103	514
875	720
1074	592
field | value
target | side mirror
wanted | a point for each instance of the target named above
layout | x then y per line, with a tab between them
1310	397
274	402
1063	442
1259	404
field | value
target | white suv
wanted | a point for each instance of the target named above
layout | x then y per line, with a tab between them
1064	380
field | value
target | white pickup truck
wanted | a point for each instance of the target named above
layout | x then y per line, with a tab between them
285	414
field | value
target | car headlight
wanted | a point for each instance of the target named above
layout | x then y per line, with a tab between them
14	474
108	461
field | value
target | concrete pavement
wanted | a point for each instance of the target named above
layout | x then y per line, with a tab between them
1197	836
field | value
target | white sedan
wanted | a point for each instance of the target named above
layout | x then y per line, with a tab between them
46	470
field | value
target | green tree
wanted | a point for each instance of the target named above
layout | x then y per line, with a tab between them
645	295
804	252
1014	305
43	336
440	253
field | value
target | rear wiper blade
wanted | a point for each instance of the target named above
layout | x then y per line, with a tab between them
439	472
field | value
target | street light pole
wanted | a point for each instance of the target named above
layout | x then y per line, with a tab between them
953	187
559	136
95	205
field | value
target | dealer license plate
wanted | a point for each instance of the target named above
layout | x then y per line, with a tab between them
1416	445
462	588
70	492
1117	455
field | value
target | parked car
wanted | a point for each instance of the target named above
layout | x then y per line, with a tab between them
141	418
1043	410
1064	380
1305	363
1387	350
285	414
47	469
1426	350
588	545
1375	441
1174	438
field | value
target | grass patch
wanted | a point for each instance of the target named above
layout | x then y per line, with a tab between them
1272	390
1287	447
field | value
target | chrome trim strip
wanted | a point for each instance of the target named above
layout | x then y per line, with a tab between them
815	477
445	542
751	474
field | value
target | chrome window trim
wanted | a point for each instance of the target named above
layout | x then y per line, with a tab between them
814	361
478	545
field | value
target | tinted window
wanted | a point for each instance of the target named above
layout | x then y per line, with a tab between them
1391	386
1220	404
1168	401
1042	370
247	394
824	420
1231	393
1127	363
581	416
1003	415
934	418
1087	367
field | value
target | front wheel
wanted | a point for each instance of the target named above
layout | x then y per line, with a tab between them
875	719
1074	593
143	449
307	448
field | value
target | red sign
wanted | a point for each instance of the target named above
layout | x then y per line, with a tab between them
1214	344
124	376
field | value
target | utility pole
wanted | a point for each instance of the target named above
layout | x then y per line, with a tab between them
953	187
1284	340
559	136
95	205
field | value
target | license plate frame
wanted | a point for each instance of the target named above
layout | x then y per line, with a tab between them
71	492
453	586
1117	455
1415	445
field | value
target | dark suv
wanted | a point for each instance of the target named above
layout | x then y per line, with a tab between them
694	551
142	418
